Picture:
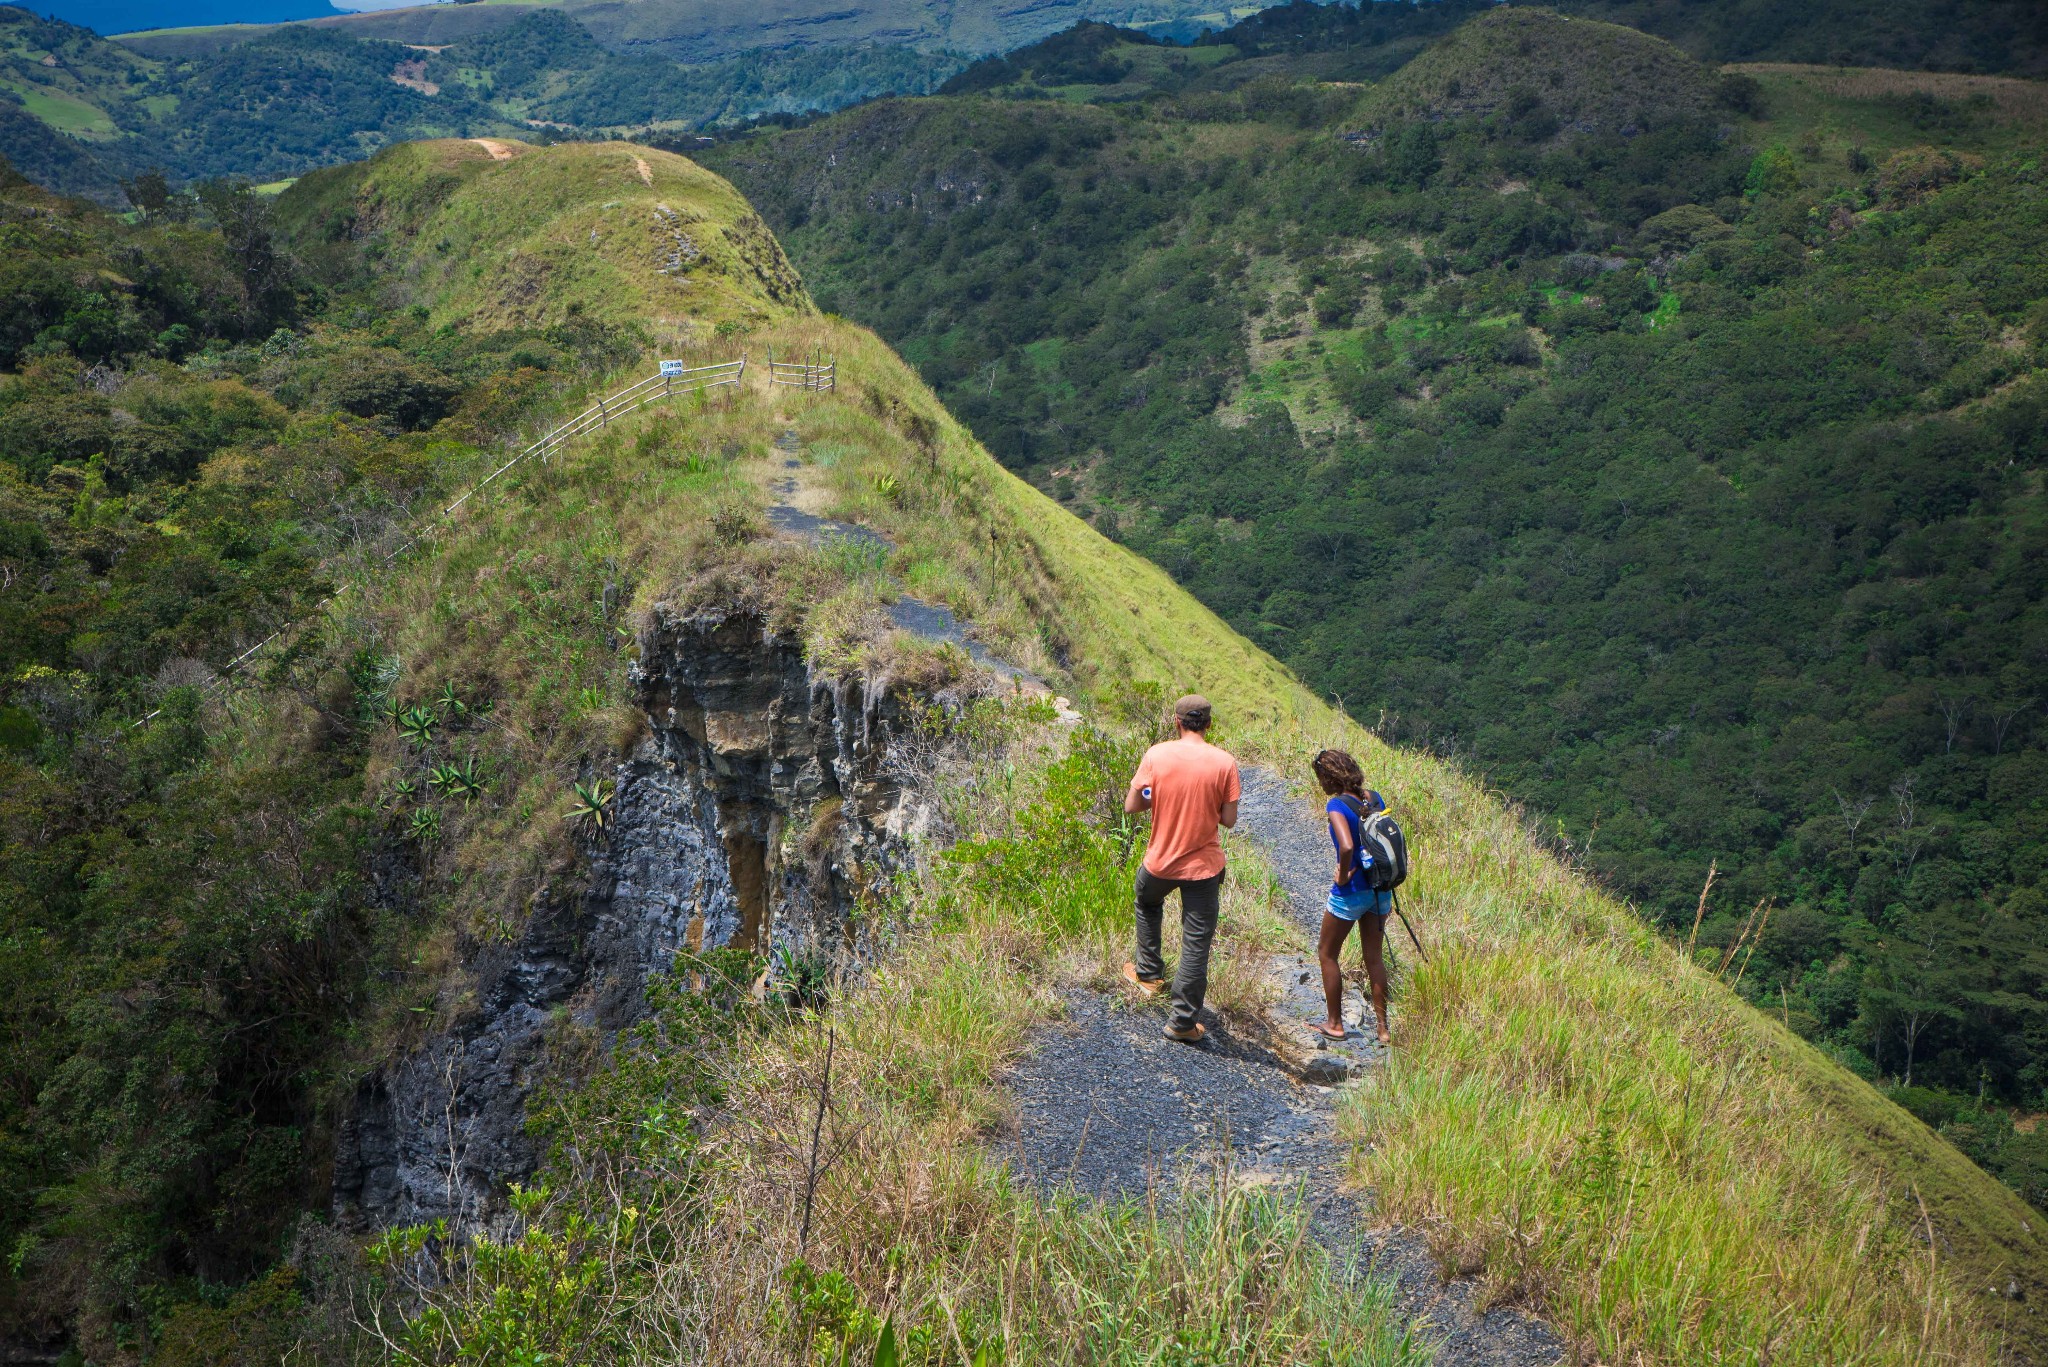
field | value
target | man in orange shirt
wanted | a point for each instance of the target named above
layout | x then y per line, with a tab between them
1191	788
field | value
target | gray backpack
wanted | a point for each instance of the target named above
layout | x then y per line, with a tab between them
1381	841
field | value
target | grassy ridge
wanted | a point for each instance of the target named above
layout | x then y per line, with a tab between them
487	231
1577	1110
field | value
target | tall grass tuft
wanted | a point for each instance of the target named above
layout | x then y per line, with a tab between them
1613	1138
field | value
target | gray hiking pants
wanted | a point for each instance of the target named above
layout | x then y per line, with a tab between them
1200	899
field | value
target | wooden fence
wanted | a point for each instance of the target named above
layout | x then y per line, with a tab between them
818	375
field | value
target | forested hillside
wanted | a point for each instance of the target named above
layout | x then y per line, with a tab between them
1662	442
80	114
197	432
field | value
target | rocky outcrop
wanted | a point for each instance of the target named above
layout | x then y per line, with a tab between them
756	813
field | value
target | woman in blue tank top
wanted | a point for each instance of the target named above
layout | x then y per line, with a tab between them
1352	899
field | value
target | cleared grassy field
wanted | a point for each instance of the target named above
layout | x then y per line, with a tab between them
65	113
1828	110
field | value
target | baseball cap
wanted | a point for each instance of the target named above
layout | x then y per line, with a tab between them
1192	708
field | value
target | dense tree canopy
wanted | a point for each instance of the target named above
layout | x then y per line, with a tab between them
194	913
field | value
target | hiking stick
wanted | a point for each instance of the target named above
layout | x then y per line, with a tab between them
1410	929
803	1237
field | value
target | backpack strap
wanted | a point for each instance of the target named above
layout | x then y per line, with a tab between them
1358	815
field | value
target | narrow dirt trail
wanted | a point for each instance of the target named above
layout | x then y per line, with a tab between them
799	502
1110	1108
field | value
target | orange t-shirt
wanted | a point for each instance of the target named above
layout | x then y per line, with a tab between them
1190	781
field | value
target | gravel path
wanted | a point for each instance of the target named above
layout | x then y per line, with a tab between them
1111	1108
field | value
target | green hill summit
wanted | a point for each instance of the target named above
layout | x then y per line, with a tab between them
1585	75
496	233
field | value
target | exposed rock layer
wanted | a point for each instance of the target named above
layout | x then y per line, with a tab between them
755	814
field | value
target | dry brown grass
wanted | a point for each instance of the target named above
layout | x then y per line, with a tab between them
2015	100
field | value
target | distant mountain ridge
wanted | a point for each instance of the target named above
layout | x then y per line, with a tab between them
1984	36
270	101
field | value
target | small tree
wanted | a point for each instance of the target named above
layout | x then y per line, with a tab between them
261	268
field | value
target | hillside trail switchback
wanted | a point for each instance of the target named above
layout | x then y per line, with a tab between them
1109	1107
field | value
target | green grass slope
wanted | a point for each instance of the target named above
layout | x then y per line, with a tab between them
66	75
496	231
1983	36
1605	1128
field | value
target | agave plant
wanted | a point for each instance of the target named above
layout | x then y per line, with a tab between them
887	486
465	781
425	825
417	724
402	791
594	804
448	703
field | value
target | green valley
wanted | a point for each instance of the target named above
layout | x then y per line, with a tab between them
264	103
1661	442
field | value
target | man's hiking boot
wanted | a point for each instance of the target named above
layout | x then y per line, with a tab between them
1151	987
1192	1035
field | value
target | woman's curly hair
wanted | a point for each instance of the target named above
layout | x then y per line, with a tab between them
1339	773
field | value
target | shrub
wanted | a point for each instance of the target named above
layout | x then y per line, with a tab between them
379	382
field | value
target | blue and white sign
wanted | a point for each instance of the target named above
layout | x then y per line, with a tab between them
671	367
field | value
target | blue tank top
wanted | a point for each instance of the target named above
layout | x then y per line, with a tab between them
1360	861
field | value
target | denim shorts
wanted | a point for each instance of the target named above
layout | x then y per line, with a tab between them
1349	906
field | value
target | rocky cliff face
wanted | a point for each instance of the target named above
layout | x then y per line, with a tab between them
755	814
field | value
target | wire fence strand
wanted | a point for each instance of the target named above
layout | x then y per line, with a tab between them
663	385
